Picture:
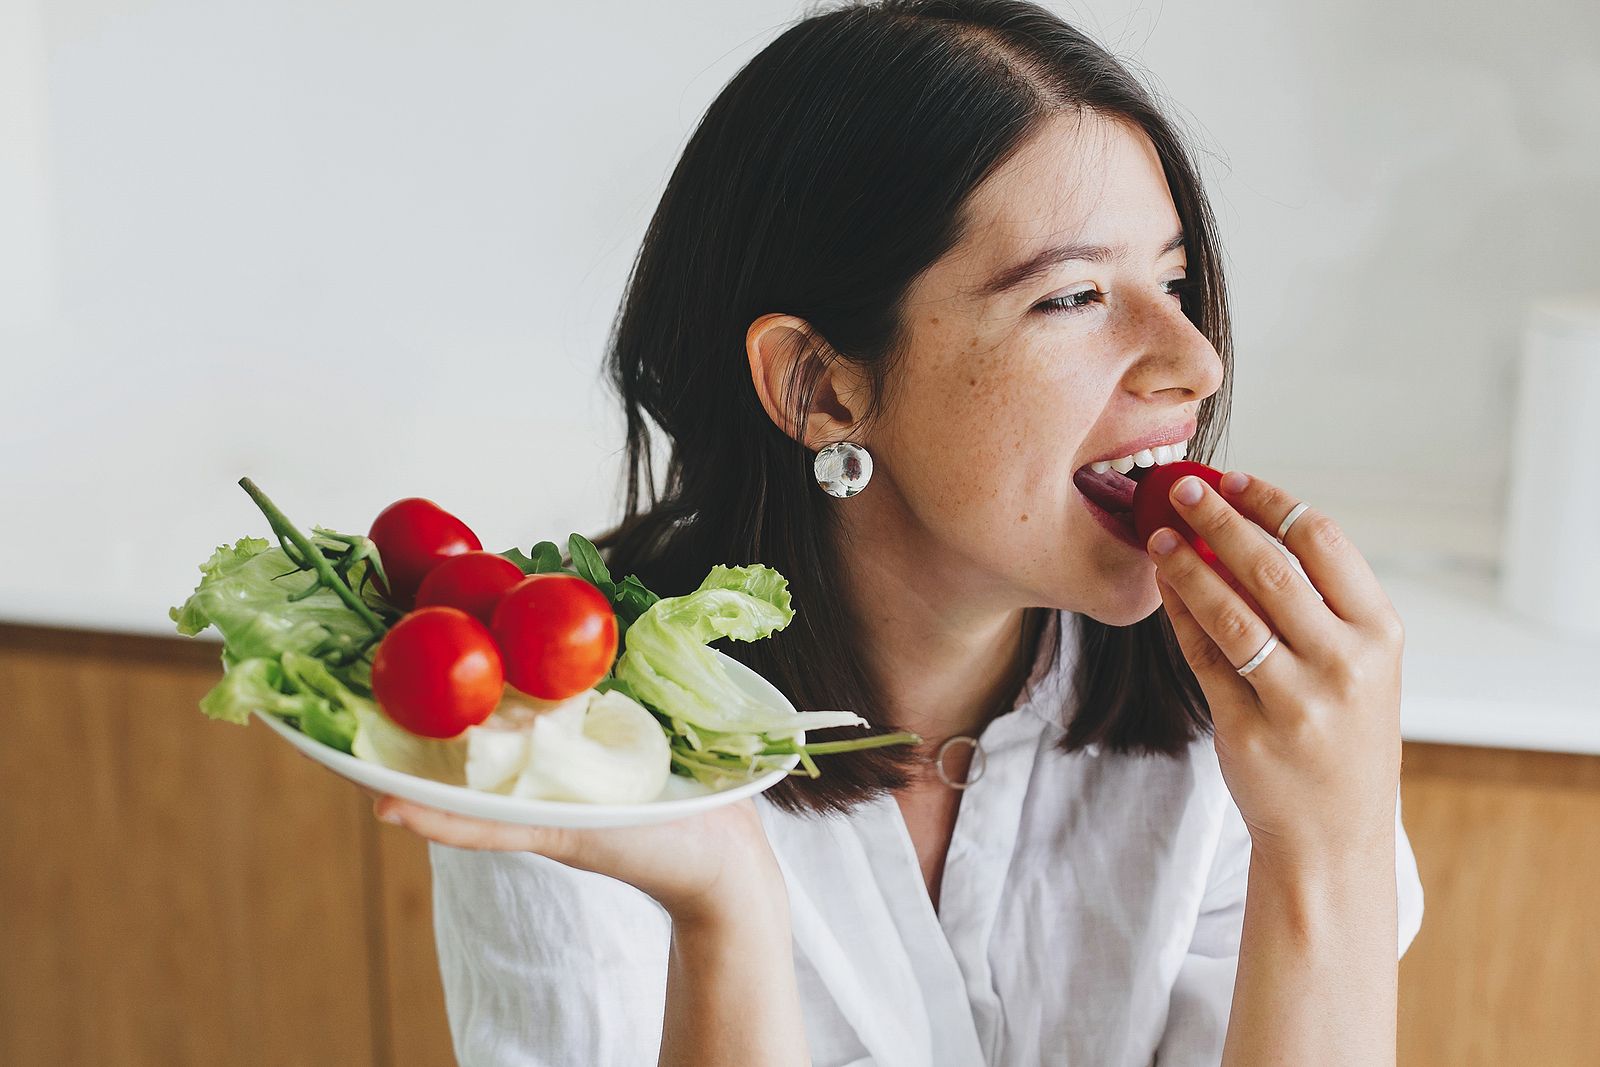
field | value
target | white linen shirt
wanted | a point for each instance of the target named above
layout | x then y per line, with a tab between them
1090	912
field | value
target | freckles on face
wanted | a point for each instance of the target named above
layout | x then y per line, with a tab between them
997	398
986	426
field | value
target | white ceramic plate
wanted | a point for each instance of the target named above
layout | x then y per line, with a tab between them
682	796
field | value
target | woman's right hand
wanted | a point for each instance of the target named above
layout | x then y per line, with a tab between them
695	867
1309	741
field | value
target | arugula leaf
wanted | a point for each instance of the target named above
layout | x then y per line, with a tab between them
546	559
633	599
586	560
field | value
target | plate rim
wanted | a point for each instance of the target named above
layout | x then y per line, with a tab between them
455	798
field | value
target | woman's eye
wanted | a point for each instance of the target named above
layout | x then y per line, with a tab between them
1057	304
1072	302
1179	286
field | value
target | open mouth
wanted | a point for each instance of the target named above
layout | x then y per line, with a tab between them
1109	490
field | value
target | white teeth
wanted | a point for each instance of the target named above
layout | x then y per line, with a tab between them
1148	457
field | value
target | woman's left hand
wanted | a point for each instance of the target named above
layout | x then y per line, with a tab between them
1308	741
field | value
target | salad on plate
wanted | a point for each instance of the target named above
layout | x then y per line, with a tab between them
412	649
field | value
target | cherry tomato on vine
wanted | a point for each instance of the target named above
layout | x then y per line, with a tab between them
472	581
414	536
556	633
437	671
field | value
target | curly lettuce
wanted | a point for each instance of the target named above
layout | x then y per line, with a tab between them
667	664
275	632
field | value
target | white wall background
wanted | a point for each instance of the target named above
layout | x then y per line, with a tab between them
367	250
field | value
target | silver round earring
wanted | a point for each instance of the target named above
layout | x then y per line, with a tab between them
843	468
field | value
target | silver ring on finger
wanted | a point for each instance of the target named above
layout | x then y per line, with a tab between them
1288	520
1255	660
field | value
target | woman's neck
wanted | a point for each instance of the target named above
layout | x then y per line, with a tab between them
947	659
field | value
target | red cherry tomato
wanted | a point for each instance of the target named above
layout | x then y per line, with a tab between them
472	581
556	633
413	536
1153	507
437	671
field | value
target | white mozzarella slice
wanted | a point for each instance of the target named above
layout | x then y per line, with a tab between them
611	752
497	748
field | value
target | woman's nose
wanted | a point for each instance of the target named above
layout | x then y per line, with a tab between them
1176	355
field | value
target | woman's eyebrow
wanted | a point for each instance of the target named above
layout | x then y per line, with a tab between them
1043	260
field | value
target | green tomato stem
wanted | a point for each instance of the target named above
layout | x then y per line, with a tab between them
318	563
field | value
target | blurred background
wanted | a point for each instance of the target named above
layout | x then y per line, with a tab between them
359	251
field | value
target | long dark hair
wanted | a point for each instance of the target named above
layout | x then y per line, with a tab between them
828	174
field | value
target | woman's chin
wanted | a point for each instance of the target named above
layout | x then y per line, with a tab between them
1136	601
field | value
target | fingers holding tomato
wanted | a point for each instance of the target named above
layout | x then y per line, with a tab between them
1343	579
1153	507
1309	740
1311	589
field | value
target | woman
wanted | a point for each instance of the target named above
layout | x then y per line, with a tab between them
883	232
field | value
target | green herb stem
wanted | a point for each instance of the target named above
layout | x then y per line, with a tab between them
318	563
822	748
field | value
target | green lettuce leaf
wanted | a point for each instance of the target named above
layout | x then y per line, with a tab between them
379	740
245	592
334	718
299	688
666	662
273	637
250	684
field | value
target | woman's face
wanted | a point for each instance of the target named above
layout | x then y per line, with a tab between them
1001	398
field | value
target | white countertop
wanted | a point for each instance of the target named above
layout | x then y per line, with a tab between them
1474	673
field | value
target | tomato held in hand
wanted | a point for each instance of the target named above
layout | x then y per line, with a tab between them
437	671
414	536
557	635
472	581
1153	507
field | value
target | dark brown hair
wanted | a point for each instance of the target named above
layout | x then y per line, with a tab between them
828	174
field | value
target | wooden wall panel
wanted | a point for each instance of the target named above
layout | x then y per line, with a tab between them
419	1033
179	891
1505	971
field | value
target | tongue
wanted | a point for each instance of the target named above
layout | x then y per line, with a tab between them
1110	490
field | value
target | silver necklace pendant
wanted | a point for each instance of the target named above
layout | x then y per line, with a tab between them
974	769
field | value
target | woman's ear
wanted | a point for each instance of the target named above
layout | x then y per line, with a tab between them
782	349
